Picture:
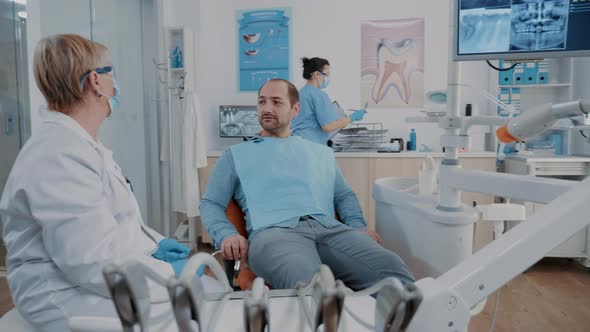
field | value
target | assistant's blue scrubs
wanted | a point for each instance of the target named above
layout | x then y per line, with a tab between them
316	111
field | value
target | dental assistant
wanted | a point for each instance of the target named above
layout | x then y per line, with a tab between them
67	209
318	118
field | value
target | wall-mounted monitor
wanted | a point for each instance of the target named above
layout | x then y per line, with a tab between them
238	121
521	29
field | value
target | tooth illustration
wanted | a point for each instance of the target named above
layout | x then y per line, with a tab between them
396	61
251	52
251	38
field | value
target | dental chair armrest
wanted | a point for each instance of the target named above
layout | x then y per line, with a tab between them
245	277
228	266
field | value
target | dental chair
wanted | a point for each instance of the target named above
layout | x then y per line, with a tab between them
245	277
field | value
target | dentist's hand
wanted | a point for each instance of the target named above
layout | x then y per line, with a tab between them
169	250
358	115
235	247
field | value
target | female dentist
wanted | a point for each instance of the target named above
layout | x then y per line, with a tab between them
67	209
317	117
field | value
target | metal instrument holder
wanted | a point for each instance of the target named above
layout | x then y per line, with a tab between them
359	137
256	313
127	308
396	306
187	302
129	291
327	300
187	293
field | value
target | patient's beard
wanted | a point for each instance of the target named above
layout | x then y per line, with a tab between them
282	131
276	129
280	127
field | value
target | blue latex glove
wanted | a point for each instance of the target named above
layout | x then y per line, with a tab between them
170	250
178	265
358	115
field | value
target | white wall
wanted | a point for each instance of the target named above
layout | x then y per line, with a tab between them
324	29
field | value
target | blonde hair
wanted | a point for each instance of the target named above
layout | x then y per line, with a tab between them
60	62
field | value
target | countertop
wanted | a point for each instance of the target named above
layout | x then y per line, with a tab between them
546	159
403	154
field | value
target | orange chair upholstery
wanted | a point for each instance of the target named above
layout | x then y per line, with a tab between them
236	217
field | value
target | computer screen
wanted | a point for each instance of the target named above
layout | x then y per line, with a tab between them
238	121
521	29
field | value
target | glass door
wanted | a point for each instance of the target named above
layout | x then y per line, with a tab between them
125	28
13	88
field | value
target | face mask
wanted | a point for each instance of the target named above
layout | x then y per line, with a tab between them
325	83
114	101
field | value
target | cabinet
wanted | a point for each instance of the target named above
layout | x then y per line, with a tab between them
557	73
357	172
362	170
558	86
568	167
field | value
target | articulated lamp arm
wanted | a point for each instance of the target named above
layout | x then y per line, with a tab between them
537	119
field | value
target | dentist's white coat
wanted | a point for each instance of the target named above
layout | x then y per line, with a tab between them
66	211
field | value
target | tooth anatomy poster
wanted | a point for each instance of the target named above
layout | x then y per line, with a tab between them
263	46
392	63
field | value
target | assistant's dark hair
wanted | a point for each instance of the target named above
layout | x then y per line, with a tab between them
312	65
291	90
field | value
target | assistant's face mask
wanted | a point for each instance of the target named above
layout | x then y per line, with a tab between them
325	82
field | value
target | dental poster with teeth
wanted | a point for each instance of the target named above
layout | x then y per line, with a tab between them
263	46
392	63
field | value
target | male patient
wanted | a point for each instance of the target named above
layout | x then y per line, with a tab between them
290	189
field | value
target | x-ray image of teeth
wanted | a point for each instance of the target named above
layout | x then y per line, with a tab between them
239	122
483	30
471	4
538	25
396	62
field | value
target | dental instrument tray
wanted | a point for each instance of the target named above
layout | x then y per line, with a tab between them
351	131
361	137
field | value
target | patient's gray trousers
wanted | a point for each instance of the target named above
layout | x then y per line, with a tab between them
285	256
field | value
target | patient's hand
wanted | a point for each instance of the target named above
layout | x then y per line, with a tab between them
235	247
373	235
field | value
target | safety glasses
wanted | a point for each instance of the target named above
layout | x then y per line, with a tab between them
99	70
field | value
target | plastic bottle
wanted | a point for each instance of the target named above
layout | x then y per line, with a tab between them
413	139
427	176
179	59
557	141
174	57
468	110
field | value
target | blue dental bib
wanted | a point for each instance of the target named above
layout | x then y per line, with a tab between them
285	178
